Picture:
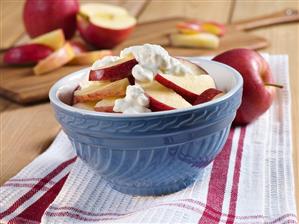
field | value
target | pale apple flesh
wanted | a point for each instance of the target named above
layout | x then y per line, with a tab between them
106	105
26	54
198	40
188	86
101	91
54	39
87	58
86	106
162	98
208	95
99	9
257	97
115	71
195	69
55	60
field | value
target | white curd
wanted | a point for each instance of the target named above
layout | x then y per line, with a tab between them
153	59
134	102
107	60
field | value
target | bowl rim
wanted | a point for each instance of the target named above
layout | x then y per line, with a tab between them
56	101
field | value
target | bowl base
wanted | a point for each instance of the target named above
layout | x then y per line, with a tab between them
156	190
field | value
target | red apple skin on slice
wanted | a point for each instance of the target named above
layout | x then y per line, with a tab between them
78	47
116	71
188	86
162	98
105	105
208	95
113	89
101	37
26	54
155	105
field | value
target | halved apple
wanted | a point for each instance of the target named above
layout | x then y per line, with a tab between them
208	95
87	58
106	105
85	105
26	54
199	40
188	86
162	98
55	60
101	90
195	69
119	69
104	26
54	39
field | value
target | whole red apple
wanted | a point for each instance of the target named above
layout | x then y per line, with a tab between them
42	16
257	97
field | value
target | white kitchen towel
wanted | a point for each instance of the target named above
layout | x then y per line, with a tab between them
251	181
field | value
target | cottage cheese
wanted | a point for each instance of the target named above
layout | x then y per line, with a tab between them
134	102
153	59
107	60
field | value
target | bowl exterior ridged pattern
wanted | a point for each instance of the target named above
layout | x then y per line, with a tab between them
152	155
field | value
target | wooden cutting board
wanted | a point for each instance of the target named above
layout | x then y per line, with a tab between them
20	85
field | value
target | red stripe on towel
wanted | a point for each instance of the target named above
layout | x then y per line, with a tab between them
35	211
36	188
236	177
217	183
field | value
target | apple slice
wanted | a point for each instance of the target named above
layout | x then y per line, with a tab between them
26	54
54	39
199	40
87	58
188	86
208	95
78	47
196	69
104	26
85	106
195	26
55	60
106	105
101	91
119	69
162	98
214	28
189	27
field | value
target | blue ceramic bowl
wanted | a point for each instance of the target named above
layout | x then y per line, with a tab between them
153	153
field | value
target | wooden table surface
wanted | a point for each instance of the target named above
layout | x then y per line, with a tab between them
27	131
